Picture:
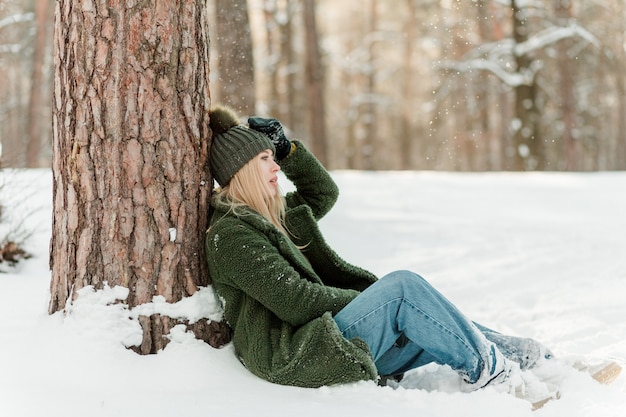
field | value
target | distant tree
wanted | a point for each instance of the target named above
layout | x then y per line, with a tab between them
566	98
289	92
618	145
407	138
130	175
360	84
493	141
282	82
36	119
315	83
480	85
269	62
527	137
369	107
15	39
539	72
235	56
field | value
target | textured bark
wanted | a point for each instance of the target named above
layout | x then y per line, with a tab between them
130	171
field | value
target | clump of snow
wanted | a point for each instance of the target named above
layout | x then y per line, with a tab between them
173	234
538	255
100	315
203	304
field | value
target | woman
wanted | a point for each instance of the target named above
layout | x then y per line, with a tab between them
300	314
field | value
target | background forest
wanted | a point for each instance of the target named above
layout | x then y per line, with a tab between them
384	84
111	103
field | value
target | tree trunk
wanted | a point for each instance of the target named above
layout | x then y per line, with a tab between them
35	114
130	173
529	154
370	144
567	104
236	63
618	161
315	84
486	32
288	59
407	125
271	62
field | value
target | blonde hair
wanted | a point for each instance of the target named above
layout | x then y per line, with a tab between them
245	189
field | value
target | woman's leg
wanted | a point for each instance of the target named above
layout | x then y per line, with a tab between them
523	350
403	303
401	358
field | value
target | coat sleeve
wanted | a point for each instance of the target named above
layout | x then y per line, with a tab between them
314	185
248	261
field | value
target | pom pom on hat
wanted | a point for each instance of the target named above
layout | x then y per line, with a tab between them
233	145
221	119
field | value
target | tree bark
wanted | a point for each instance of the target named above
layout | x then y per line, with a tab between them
131	182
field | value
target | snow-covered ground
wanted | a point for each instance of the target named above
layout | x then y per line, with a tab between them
541	255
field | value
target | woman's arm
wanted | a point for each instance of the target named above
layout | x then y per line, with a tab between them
248	261
314	185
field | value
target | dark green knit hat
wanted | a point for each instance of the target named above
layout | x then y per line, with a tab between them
233	144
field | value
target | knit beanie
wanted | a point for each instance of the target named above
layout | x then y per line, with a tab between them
233	144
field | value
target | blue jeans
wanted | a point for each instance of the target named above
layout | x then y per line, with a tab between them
407	323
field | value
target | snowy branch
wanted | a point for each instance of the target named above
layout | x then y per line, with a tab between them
10	48
16	18
8	21
552	35
509	78
496	53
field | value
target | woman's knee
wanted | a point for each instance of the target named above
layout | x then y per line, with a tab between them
403	279
403	275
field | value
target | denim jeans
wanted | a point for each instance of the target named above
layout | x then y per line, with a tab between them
407	323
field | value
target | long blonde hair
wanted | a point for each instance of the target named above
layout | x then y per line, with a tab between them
245	189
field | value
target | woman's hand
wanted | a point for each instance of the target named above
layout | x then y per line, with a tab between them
274	130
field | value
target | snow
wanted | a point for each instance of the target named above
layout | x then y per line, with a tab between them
534	254
16	18
495	57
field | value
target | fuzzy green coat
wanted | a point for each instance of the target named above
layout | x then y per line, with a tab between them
280	300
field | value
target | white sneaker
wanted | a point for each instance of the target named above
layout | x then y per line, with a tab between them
525	351
497	372
527	386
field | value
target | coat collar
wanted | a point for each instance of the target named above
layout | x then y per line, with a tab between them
300	223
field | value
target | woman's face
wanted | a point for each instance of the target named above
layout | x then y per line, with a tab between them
269	171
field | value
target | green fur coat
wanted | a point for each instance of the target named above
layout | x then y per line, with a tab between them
280	300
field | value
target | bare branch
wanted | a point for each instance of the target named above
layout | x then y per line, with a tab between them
16	18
